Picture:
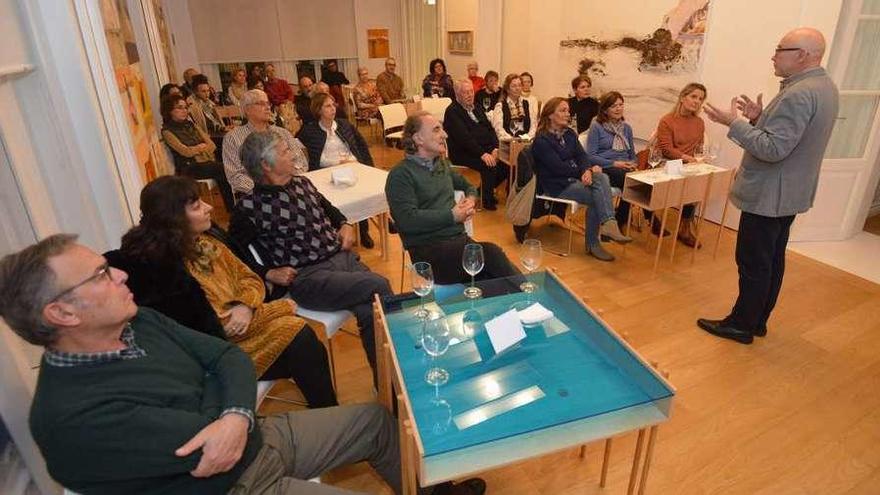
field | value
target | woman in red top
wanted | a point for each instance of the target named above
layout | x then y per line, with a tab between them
678	135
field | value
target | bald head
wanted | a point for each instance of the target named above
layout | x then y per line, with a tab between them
811	40
799	50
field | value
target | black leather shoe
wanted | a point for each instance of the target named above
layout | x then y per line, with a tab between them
718	328
472	486
760	331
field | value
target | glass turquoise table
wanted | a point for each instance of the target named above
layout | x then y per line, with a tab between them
571	381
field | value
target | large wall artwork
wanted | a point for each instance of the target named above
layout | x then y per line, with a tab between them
648	66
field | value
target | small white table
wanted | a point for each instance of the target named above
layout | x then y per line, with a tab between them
362	201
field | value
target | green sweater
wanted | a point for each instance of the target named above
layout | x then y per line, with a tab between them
421	201
114	427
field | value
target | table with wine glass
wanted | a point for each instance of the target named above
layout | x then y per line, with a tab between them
655	189
464	409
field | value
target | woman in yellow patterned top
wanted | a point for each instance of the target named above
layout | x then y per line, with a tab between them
178	268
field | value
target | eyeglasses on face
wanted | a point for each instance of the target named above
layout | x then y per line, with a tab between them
261	103
790	49
103	272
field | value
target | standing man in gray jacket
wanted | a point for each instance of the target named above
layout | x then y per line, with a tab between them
784	145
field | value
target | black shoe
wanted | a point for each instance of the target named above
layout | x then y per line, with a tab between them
720	329
760	331
392	228
472	486
367	241
655	229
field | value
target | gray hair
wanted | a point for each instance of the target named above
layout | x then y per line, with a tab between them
257	148
250	97
459	85
28	284
411	127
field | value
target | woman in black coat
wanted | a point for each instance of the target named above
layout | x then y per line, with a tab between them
346	145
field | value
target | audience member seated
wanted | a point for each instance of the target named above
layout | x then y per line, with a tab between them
389	84
177	267
257	75
420	192
490	94
678	134
473	70
169	89
331	141
322	88
237	87
334	79
192	148
610	145
130	401
437	84
527	82
472	141
187	86
366	96
255	106
293	225
513	116
303	99
563	171
582	106
203	110
277	89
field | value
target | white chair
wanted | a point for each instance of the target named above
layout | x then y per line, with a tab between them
436	106
331	321
393	115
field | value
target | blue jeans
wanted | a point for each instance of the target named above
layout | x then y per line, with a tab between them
597	198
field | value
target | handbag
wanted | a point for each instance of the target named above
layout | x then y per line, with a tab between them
519	204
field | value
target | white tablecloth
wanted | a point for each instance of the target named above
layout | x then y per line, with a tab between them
361	201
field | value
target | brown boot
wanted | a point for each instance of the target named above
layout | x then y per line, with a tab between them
686	234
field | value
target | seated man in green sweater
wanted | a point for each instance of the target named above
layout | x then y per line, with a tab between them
420	191
128	401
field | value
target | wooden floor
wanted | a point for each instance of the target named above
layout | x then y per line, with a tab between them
797	412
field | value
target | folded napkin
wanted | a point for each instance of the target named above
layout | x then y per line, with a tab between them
343	176
534	314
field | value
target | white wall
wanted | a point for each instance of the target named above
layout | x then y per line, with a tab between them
460	15
183	44
376	14
736	58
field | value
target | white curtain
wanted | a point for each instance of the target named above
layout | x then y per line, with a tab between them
420	40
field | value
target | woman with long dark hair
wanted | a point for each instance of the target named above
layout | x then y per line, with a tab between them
192	148
564	172
179	265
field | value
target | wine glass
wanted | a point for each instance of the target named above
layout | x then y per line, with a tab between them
699	153
573	123
530	254
714	151
422	282
472	261
435	342
655	156
487	102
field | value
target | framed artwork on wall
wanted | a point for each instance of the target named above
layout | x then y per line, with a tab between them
461	42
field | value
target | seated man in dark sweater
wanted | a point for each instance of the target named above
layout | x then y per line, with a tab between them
473	142
294	226
420	191
129	401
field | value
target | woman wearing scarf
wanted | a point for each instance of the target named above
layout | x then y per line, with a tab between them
610	145
192	148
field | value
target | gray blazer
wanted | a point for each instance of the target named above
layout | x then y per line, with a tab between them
784	147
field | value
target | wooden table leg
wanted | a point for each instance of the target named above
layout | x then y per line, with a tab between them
383	358
699	223
678	220
723	217
634	471
407	469
383	233
605	459
649	452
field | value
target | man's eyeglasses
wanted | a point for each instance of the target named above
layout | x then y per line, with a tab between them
103	272
261	103
787	49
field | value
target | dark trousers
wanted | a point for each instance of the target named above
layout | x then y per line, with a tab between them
343	282
212	170
445	259
305	361
490	178
760	257
616	177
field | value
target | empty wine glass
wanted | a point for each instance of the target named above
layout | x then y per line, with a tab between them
530	254
655	156
472	261
487	102
714	151
699	153
435	341
422	283
517	127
